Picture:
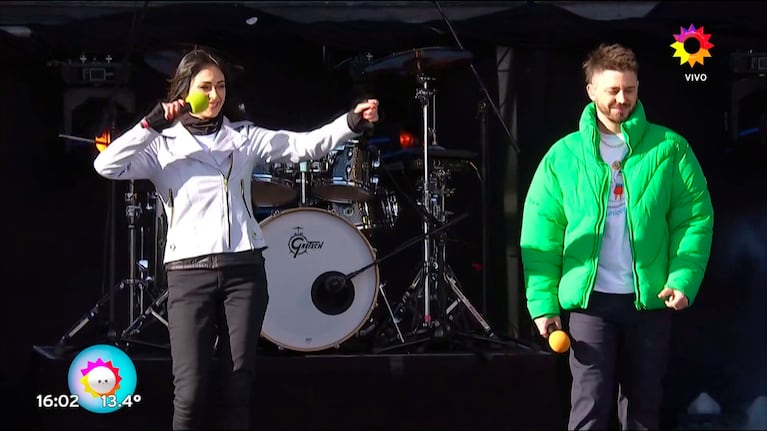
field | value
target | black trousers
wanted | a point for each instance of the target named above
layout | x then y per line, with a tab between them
618	355
229	302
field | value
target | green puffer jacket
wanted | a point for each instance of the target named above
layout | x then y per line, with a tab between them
668	210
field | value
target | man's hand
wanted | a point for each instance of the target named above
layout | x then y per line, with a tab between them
674	299
543	324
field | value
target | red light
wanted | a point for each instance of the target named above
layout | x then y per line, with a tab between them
406	139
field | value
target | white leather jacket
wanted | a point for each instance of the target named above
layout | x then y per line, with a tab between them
206	194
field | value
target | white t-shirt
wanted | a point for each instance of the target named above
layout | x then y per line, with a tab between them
614	273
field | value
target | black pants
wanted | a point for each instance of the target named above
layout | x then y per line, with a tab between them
618	354
230	303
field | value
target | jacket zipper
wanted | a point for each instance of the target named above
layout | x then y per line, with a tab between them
630	225
245	201
172	207
228	210
602	215
631	243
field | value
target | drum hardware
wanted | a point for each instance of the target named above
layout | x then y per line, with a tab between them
435	276
304	184
340	279
138	288
155	309
438	272
418	62
485	101
153	275
372	328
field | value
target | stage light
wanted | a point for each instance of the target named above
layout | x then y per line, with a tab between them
103	141
406	139
89	111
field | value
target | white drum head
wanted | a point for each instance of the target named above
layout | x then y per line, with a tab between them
310	308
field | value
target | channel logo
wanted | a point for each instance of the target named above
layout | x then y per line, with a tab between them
692	58
103	378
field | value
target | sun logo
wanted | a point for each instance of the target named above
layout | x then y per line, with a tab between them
681	52
100	378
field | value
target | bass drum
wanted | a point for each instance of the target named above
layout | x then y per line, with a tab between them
311	305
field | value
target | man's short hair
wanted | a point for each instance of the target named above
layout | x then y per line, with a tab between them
609	57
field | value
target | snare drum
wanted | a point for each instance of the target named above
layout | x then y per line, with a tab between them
350	176
311	306
273	185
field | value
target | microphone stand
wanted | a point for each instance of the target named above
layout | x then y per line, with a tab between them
482	113
479	80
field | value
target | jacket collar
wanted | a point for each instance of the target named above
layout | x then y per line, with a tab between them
185	145
633	128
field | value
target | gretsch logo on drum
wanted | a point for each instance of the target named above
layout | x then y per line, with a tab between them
298	243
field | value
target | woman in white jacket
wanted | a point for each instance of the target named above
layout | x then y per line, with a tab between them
201	166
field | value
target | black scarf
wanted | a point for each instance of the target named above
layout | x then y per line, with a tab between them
200	126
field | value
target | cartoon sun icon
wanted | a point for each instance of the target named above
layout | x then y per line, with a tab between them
100	378
696	57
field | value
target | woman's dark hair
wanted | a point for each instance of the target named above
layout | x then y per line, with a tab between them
190	65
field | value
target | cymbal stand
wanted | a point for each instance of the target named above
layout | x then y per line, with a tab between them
435	272
432	209
439	270
425	95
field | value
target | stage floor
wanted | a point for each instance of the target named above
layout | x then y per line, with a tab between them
513	389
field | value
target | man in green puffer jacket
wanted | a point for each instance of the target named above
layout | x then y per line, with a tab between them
616	231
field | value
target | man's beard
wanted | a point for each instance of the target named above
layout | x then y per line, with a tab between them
616	117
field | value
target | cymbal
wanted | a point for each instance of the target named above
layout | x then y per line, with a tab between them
411	159
419	61
434	152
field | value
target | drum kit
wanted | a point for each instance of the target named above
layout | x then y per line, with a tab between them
320	219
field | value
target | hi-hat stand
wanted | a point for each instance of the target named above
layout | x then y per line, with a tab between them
138	290
140	294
